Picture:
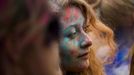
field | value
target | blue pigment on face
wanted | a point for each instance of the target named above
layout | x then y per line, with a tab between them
73	35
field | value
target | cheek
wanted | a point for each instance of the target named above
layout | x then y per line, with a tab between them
69	52
69	46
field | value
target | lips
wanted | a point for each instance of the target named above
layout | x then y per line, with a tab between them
84	55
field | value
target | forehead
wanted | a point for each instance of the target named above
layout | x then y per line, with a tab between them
71	11
72	16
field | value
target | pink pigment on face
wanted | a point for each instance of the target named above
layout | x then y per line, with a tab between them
71	14
73	53
76	14
68	14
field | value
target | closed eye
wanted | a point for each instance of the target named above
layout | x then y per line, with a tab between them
72	33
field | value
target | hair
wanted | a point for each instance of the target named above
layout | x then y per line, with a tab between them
112	12
92	24
94	3
101	32
23	24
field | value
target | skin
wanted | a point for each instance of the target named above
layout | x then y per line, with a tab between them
46	60
75	41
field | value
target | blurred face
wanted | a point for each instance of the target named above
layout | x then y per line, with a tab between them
51	47
41	55
75	43
44	59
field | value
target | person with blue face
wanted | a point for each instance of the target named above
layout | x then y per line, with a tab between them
77	55
76	43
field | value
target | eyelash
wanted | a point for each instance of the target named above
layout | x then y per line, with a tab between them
72	35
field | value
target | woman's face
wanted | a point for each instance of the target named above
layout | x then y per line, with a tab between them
75	43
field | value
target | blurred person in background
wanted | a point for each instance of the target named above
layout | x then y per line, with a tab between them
29	38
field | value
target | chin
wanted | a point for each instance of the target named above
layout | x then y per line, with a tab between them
78	66
83	65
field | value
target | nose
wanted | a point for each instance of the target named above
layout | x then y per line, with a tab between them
86	41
